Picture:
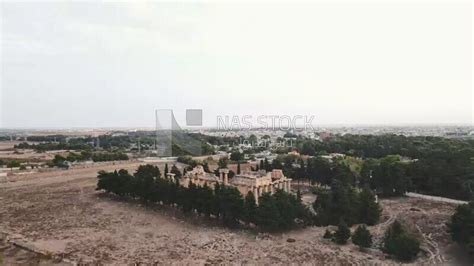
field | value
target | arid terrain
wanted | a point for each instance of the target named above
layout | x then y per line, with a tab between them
59	214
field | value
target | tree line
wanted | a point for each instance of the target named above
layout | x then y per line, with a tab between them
280	211
394	164
61	161
344	202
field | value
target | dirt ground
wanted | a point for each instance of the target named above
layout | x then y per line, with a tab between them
59	213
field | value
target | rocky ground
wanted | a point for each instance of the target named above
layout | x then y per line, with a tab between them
60	214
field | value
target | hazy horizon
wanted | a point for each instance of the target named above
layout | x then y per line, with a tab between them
111	65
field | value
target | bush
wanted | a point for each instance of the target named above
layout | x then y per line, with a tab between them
362	237
400	243
342	234
187	160
327	234
461	226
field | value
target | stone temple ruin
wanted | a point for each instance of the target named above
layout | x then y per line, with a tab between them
258	182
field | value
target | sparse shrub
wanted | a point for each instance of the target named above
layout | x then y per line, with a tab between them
327	234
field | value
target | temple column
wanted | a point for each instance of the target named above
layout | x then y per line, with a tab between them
224	175
255	193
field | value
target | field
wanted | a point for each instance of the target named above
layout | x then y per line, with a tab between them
59	214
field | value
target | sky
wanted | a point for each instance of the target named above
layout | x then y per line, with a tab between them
112	64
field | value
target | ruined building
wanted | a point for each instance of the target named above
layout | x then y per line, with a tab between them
258	182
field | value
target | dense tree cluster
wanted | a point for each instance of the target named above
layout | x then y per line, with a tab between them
394	164
275	212
61	161
344	202
183	143
50	146
377	146
4	138
236	156
108	156
461	226
13	163
49	138
188	160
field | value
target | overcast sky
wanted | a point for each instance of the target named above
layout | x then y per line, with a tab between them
112	64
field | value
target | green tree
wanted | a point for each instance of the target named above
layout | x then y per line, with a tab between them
205	166
400	243
342	234
59	161
175	171
369	209
268	215
362	237
461	226
236	156
148	170
223	162
250	208
231	205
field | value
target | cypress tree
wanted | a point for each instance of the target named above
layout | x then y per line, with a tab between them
268	215
250	208
369	210
175	171
342	234
362	237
